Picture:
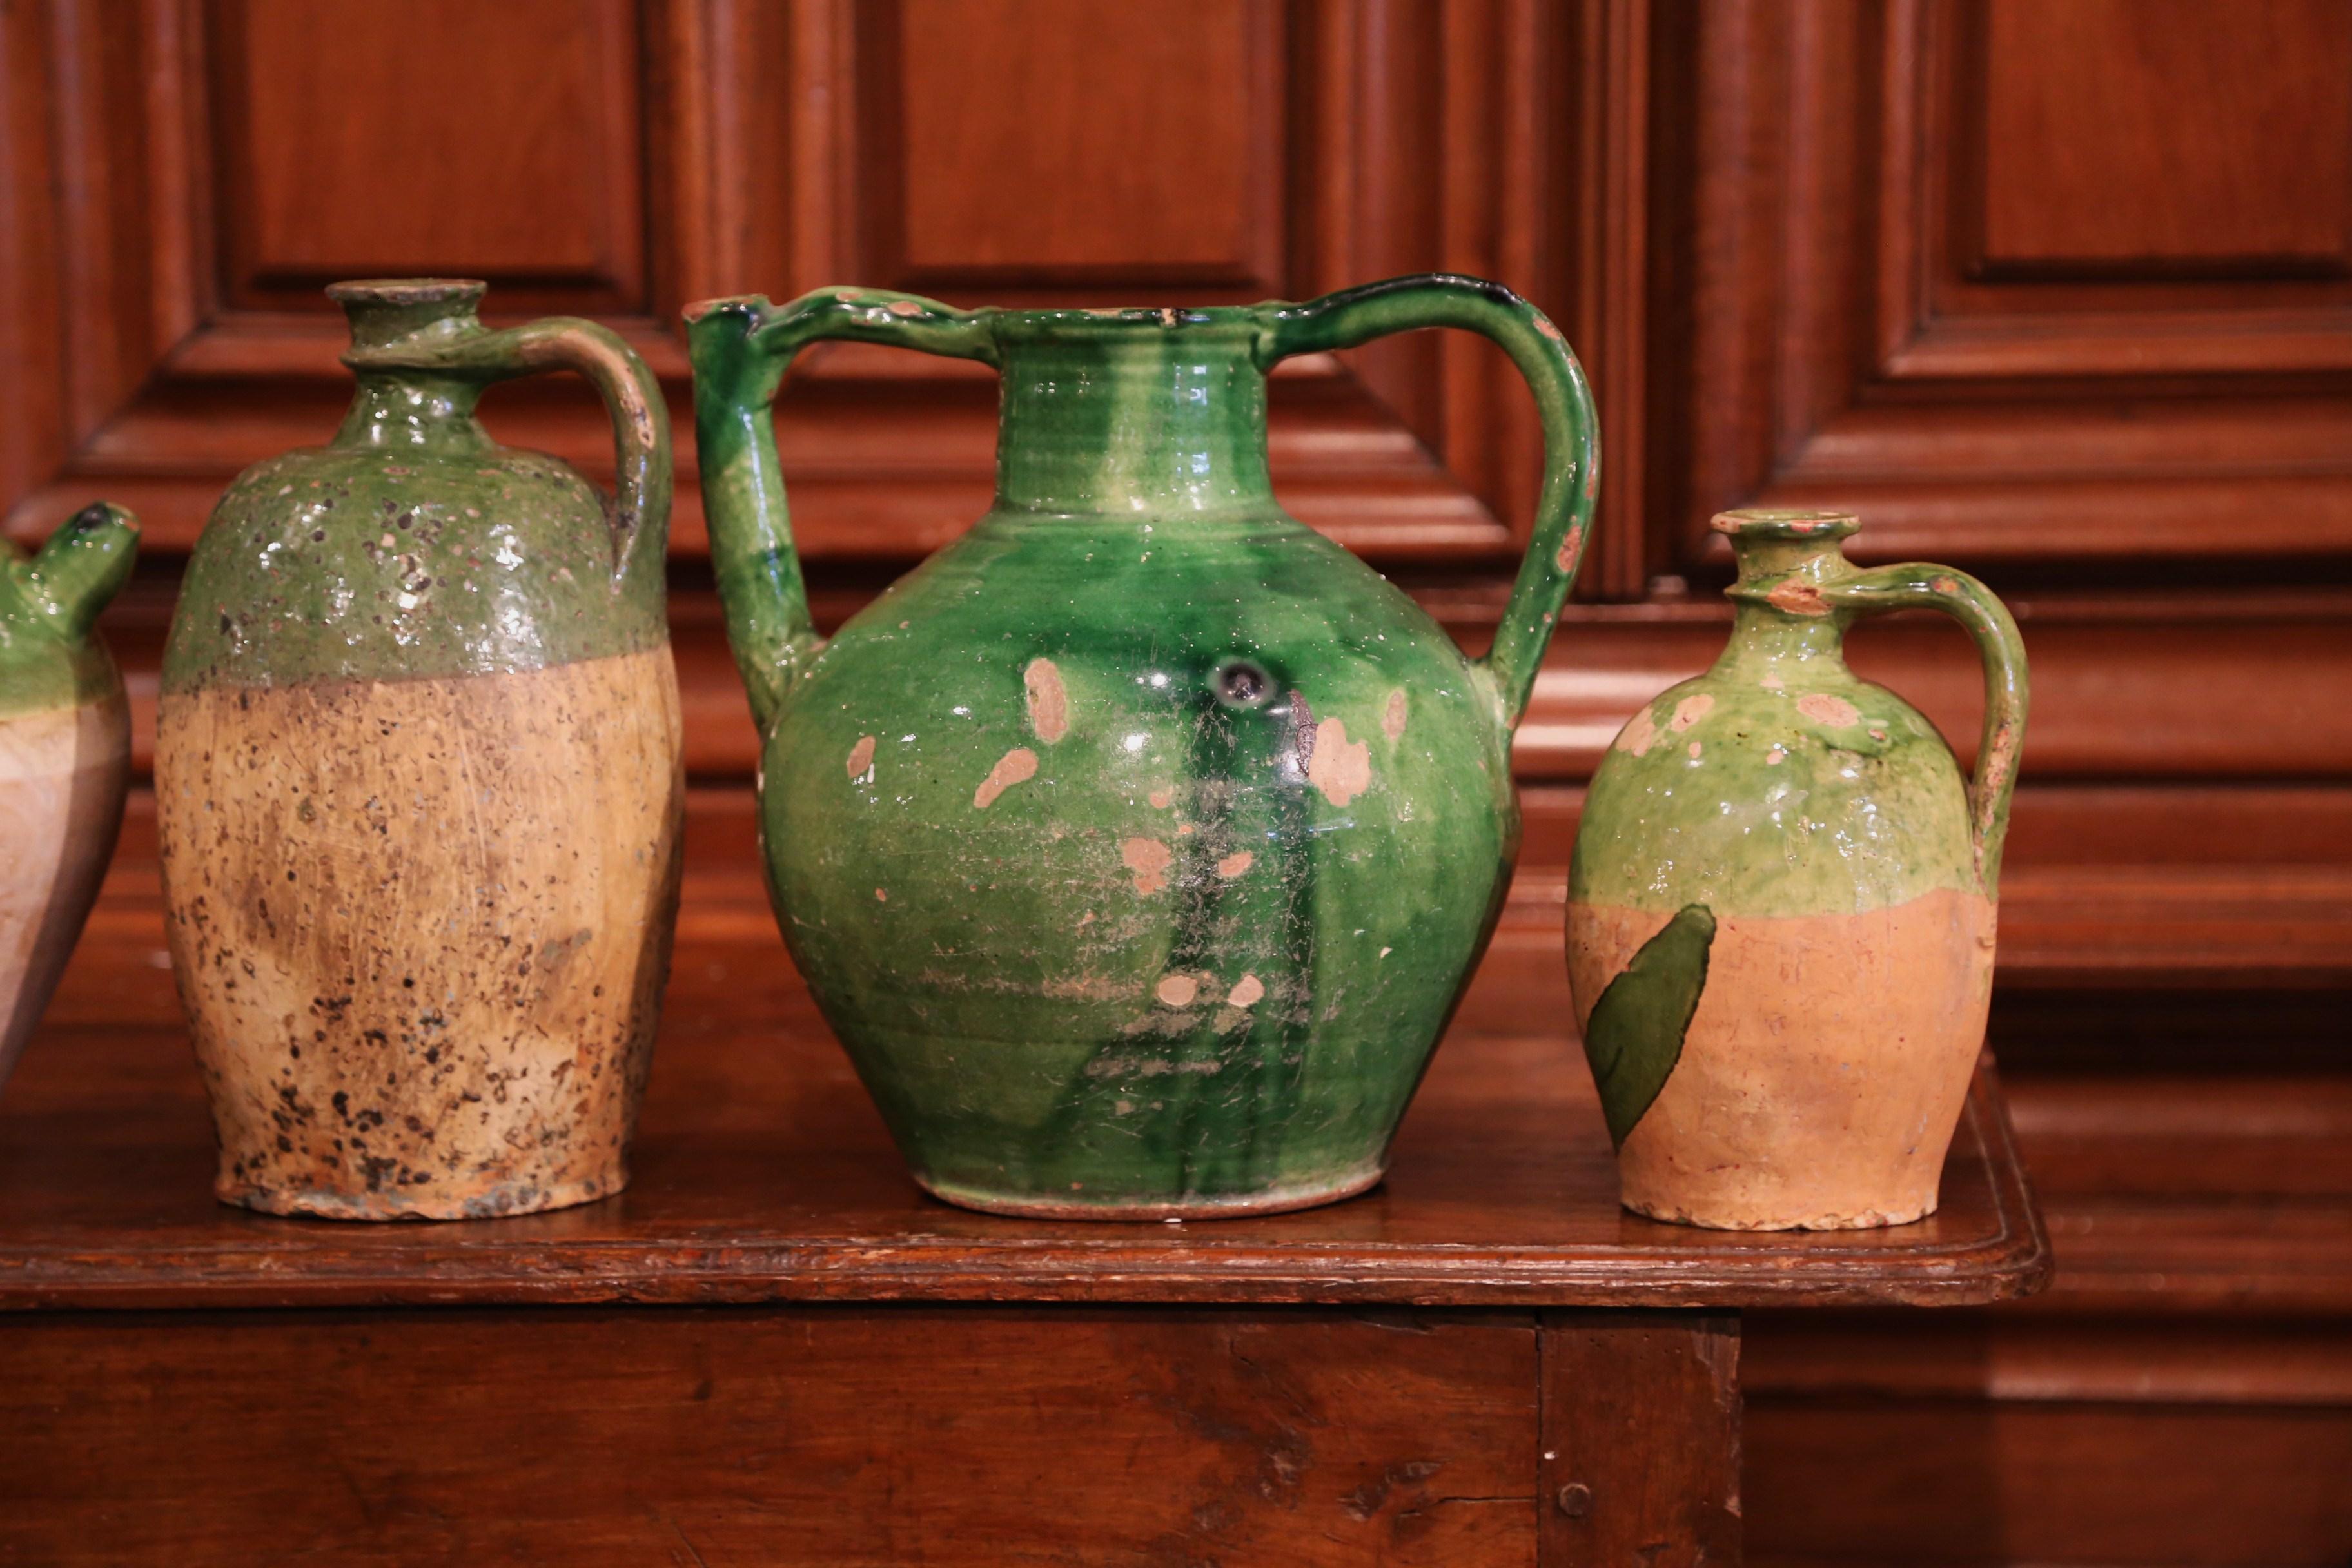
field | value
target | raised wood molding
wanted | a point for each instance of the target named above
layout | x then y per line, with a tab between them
1847	350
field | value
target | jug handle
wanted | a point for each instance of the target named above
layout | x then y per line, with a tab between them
1563	401
742	346
1923	585
639	510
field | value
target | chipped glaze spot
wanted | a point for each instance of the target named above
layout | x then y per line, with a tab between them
1049	703
1798	598
881	895
1776	756
1945	585
1340	768
905	307
1234	864
1773	682
1689	711
861	755
1015	766
1393	717
1178	990
1160	798
1640	733
1148	859
1571	547
1248	992
1826	708
1694	749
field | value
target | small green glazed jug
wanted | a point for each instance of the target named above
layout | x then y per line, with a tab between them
1137	844
65	754
1781	905
420	789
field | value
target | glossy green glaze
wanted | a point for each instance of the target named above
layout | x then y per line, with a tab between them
412	545
1137	845
1816	831
49	656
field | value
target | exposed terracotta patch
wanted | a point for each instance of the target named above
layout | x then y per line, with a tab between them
1772	682
1694	749
1640	733
1877	733
905	307
1342	768
1689	711
1183	830
1160	798
1234	864
1049	704
1798	598
881	896
861	755
1825	708
1148	859
1013	767
1393	717
1945	585
1543	325
1825	1067
1248	992
1569	548
1178	990
1776	756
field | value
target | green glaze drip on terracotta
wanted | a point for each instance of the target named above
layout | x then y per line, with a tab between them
1780	746
49	603
1635	1033
1137	844
412	545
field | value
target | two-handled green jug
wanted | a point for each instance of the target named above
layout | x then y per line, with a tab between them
1138	843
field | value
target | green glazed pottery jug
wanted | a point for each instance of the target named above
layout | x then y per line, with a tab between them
1780	909
65	754
1137	844
420	790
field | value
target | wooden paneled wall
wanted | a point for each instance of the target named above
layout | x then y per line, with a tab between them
2056	290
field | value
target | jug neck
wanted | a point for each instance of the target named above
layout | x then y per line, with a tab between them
1131	413
1781	628
411	409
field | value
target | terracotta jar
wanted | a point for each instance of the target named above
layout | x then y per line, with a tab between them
1782	906
1137	845
65	754
419	786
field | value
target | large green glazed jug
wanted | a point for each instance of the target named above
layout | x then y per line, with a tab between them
1137	844
65	754
1781	903
420	787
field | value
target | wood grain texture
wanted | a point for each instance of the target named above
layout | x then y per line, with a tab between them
422	929
771	1436
1642	1441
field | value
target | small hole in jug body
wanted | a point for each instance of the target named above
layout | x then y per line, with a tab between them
1242	683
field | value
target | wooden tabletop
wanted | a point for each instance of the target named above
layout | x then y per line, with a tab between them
764	1174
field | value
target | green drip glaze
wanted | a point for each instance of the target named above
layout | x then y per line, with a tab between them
1634	1036
50	656
1812	792
414	547
1146	953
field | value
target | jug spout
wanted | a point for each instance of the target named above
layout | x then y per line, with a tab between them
82	566
740	348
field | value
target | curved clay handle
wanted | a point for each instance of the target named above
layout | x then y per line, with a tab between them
1564	402
78	572
741	348
641	454
1919	585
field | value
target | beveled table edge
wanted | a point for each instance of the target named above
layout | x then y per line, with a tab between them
2014	1261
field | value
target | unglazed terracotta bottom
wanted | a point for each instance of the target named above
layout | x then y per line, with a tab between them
62	777
422	929
1280	1200
1823	1072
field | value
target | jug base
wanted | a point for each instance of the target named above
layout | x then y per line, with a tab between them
1860	1219
497	1201
1235	1205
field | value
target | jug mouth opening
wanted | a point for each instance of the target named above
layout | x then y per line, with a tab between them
407	291
1793	523
1131	324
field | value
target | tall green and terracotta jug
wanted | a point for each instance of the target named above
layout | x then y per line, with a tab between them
65	754
1781	904
420	788
1138	844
